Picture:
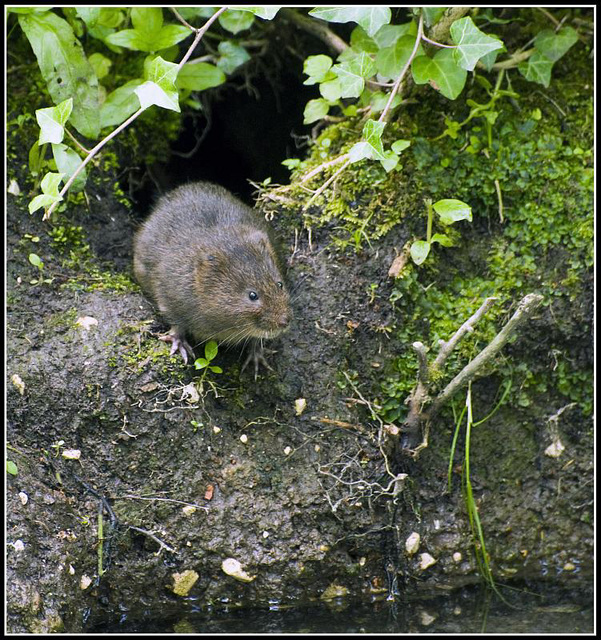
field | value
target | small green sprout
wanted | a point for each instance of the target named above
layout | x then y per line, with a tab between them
36	261
449	211
211	349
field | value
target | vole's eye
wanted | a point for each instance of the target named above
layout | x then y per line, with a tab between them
281	285
253	295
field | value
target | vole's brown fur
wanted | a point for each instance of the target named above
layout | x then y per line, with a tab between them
209	263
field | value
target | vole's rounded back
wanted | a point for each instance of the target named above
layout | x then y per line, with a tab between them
208	261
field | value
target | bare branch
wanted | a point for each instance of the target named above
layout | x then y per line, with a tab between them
441	30
326	184
316	28
151	535
525	309
468	326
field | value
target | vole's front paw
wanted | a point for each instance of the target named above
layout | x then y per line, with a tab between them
257	356
178	344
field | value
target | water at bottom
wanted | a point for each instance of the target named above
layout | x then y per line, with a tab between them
472	610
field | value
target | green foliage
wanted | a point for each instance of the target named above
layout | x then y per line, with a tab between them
544	244
99	87
50	185
11	468
383	52
449	211
211	349
550	47
65	68
149	34
371	19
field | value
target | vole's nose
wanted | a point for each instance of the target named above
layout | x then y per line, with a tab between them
284	320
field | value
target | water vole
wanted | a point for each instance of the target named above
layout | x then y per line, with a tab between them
208	262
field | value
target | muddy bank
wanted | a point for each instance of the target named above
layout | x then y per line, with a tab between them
189	473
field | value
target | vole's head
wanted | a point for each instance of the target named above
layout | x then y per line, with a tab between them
244	290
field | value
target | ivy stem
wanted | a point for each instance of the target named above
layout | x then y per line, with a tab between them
439	44
420	34
199	33
87	159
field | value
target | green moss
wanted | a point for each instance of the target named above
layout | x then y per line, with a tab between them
544	244
62	319
95	278
367	202
134	349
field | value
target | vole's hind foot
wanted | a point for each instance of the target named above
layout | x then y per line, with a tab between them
178	344
257	356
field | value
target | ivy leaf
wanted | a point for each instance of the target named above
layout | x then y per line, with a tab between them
388	34
441	72
553	45
147	21
89	15
360	41
419	251
52	121
370	18
111	17
100	64
490	58
199	76
235	21
11	468
359	151
159	87
267	13
148	33
352	74
372	134
400	145
391	60
389	161
442	239
67	161
49	195
128	38
24	10
216	369
170	35
200	363
292	163
315	110
316	67
50	183
120	104
231	56
472	44
150	93
211	349
189	13
331	90
65	68
451	210
432	15
537	69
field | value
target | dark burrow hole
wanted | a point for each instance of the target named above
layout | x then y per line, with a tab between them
246	136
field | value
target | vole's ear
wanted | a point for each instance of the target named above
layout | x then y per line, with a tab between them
260	239
262	243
